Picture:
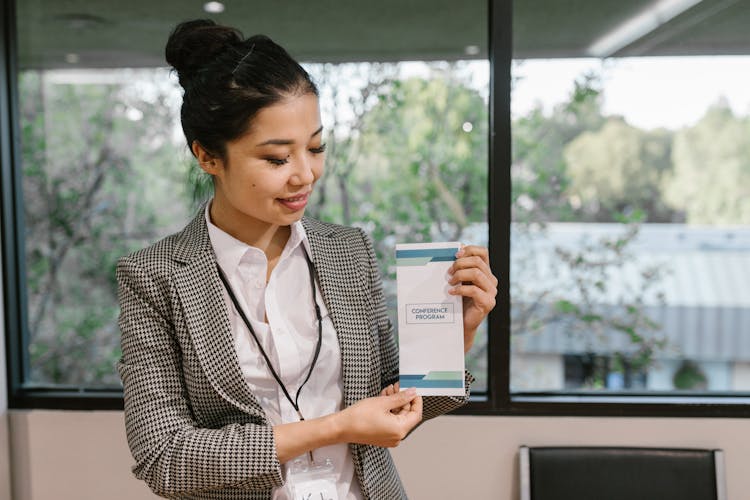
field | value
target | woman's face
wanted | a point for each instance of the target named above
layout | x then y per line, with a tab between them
268	173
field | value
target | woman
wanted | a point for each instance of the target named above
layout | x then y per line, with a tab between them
256	336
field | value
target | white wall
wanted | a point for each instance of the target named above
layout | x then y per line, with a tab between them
5	477
67	455
482	451
83	455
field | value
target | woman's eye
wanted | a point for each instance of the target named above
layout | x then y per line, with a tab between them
277	161
319	149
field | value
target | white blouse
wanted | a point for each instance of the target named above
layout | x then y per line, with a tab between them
289	338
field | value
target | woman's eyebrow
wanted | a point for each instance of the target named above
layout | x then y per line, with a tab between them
286	142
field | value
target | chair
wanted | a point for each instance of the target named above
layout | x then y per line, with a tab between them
611	473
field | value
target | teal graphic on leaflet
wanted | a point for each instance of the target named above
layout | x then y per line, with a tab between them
434	379
424	256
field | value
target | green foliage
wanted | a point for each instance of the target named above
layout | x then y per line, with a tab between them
710	181
592	311
405	168
105	172
96	168
541	181
577	165
619	168
689	376
408	162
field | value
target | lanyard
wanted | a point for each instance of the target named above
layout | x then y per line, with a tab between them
294	402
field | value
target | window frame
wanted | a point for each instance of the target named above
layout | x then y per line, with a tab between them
13	260
497	400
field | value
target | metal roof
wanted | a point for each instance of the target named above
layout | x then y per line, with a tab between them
705	311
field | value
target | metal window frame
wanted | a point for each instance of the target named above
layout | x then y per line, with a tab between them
498	399
13	249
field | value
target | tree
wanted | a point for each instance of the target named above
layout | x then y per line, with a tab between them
407	157
425	159
540	175
710	181
345	107
96	165
619	169
577	165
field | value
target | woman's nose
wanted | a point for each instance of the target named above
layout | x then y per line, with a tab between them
303	172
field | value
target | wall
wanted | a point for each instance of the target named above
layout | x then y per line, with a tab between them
83	455
4	437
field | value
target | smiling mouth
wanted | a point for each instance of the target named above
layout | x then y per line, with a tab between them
296	198
295	203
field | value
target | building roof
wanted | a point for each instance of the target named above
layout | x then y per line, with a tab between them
701	300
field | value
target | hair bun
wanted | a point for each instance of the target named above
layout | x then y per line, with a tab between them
195	44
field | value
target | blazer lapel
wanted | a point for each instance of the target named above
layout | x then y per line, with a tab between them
344	289
200	293
342	282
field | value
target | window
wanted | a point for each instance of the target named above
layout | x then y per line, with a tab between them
630	232
601	153
105	171
408	161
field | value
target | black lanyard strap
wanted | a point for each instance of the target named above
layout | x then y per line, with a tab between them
295	402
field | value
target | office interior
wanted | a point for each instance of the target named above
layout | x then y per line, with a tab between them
573	75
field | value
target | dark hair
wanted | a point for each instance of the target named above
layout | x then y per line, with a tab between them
228	79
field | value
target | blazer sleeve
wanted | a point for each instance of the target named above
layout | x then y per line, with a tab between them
173	455
433	406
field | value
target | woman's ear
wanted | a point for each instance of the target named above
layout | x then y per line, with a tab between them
207	161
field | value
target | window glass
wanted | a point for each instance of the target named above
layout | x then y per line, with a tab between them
631	198
106	170
407	159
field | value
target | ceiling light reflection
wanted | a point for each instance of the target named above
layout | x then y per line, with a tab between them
213	7
472	50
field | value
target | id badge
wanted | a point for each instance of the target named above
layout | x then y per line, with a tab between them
316	481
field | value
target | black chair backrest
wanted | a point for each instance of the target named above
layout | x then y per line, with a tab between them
604	473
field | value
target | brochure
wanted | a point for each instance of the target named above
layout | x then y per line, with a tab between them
430	320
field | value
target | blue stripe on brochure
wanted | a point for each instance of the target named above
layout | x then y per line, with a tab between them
405	383
435	253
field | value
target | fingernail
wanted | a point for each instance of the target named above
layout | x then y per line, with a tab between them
411	391
460	252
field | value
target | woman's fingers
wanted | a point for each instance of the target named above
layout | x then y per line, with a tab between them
398	411
411	410
399	399
475	277
414	415
483	300
472	279
469	250
381	421
393	389
388	390
474	262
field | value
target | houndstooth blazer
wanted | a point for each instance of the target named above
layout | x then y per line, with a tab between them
195	429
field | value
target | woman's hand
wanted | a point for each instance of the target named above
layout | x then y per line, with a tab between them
474	281
394	389
381	421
